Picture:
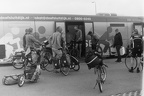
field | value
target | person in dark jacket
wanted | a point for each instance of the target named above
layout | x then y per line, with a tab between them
118	43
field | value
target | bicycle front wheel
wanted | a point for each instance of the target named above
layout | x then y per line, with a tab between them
18	63
100	87
103	73
99	79
128	62
74	52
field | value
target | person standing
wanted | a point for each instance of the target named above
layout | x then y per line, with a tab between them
78	38
136	46
118	43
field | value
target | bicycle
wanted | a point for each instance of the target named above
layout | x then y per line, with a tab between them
46	56
61	64
72	49
29	68
128	61
101	75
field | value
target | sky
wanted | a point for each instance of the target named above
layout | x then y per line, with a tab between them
79	7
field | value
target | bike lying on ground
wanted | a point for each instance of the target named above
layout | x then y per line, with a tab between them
30	72
94	60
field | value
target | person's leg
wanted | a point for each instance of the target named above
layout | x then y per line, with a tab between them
106	45
132	60
138	60
118	53
79	46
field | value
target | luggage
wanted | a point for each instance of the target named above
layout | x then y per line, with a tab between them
93	59
10	80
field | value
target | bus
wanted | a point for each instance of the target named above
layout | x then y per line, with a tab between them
13	26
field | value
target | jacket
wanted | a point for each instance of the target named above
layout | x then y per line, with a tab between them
56	40
118	40
31	41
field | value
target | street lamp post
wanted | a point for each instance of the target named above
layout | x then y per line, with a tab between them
95	7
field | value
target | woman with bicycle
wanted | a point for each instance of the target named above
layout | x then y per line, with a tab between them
31	41
136	46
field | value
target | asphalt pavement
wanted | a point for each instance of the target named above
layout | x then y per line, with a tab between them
119	82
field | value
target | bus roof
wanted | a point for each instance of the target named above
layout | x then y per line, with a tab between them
67	17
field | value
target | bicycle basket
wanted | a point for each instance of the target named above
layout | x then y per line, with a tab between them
92	60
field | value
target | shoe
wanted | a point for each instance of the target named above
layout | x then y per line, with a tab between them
131	70
138	71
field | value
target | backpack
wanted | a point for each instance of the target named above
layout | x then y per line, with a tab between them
137	41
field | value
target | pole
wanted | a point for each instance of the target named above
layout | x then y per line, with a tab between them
95	7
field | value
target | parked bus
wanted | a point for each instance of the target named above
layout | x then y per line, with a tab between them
12	29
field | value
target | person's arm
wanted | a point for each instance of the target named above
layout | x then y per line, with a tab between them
80	38
35	40
121	40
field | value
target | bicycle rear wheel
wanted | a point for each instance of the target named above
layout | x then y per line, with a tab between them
128	62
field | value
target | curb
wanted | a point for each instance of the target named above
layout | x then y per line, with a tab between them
130	93
5	64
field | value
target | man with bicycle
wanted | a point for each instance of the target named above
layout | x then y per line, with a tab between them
136	46
57	43
78	39
94	39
